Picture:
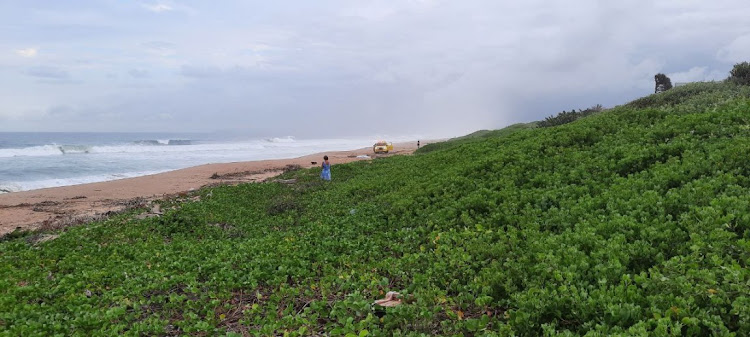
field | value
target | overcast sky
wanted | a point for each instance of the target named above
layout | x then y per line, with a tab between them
344	68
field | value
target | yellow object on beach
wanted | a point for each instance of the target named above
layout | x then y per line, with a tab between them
382	147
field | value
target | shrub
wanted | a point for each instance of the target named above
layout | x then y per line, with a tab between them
567	117
663	83
184	221
740	74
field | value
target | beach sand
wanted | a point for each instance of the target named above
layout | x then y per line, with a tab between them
57	207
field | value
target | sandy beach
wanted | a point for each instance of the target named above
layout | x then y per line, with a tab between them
57	207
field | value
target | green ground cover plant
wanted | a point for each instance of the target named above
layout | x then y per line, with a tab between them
476	136
566	117
631	222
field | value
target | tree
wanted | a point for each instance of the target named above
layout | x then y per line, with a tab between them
663	83
740	74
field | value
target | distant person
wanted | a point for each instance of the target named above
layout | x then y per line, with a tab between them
326	173
417	143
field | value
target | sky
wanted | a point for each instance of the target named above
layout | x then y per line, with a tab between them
330	68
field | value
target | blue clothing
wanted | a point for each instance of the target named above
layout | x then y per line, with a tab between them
326	173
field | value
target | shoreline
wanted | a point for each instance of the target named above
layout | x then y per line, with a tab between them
59	207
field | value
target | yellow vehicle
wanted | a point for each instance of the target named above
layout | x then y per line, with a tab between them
382	147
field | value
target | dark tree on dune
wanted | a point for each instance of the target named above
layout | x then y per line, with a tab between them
740	73
663	83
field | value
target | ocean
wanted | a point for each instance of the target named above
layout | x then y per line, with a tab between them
34	160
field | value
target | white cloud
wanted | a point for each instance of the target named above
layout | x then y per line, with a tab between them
160	48
168	6
697	74
139	73
259	47
48	72
28	52
737	51
158	7
200	71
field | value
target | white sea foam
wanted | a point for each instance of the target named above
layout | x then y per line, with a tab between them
152	147
139	147
43	150
287	139
45	183
7	188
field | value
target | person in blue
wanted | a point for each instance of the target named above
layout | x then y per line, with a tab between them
326	173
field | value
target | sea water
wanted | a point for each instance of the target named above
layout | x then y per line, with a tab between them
31	160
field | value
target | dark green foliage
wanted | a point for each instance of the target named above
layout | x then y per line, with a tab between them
281	204
740	74
15	235
693	97
662	83
477	136
567	117
185	222
632	222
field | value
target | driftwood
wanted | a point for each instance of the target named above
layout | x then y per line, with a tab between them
286	181
155	211
391	300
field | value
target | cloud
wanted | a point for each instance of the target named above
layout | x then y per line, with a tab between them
200	71
48	72
736	51
697	74
302	66
259	47
61	111
160	48
28	52
168	6
139	73
158	8
159	45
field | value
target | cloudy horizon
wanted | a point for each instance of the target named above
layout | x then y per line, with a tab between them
342	68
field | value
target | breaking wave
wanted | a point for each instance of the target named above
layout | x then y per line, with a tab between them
7	188
288	139
71	149
55	149
55	182
151	142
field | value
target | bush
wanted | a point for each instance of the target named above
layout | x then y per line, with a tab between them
740	74
567	117
663	83
184	221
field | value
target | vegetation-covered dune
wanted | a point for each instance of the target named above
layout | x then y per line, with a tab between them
631	222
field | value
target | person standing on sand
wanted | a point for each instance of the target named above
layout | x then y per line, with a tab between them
326	173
